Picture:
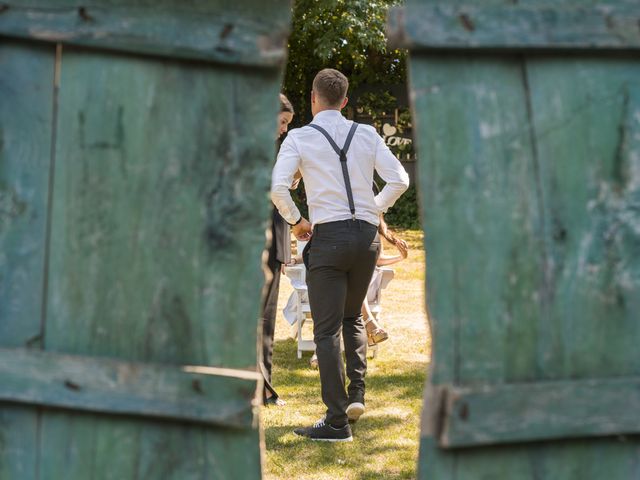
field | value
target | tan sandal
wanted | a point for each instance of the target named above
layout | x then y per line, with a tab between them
313	363
375	333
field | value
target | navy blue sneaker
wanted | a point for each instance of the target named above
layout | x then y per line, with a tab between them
323	432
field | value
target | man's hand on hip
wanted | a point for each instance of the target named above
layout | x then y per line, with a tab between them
302	231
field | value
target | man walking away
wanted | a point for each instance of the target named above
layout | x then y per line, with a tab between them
337	159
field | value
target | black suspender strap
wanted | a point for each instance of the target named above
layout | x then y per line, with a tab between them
342	153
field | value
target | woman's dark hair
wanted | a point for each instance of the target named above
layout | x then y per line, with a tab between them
285	105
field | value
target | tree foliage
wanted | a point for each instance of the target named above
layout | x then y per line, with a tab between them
348	35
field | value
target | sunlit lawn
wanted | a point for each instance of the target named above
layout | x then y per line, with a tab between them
386	437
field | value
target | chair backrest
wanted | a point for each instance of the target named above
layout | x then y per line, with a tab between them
385	275
300	244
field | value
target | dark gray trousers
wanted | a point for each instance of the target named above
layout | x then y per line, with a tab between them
341	260
279	236
269	310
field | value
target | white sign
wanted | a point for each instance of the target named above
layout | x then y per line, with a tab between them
391	139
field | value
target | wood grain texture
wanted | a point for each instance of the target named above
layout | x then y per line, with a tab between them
586	115
18	435
26	83
204	395
480	215
158	217
87	446
526	26
216	32
528	180
26	93
159	212
480	211
540	411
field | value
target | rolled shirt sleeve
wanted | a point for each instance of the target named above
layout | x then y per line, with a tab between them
286	166
393	173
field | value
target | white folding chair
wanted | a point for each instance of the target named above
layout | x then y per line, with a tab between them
297	274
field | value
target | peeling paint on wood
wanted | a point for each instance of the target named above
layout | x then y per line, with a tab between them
26	74
526	26
216	33
204	395
529	189
153	174
540	411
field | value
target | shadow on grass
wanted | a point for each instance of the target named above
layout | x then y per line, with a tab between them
407	384
385	438
374	440
289	368
366	430
371	474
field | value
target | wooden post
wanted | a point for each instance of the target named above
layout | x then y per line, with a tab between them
527	127
136	142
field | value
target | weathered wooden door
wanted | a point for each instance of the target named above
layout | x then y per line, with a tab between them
136	140
528	130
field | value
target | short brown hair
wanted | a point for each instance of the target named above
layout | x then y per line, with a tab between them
285	104
331	86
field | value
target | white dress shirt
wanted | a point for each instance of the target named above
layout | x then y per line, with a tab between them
307	150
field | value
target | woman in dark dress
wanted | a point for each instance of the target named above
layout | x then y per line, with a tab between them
279	251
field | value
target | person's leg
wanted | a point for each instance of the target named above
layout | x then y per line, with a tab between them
327	289
269	311
269	395
355	350
366	310
329	257
354	333
269	317
375	333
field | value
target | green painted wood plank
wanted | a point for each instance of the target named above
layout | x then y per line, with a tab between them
586	116
18	434
604	4
26	92
554	323
465	167
186	394
515	27
215	33
582	112
173	166
433	461
480	214
226	455
160	209
552	460
26	83
540	411
88	447
209	186
563	460
480	206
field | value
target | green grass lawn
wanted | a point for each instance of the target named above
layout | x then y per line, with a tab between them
387	436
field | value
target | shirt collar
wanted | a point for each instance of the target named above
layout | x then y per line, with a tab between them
327	115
